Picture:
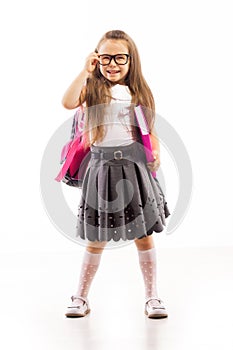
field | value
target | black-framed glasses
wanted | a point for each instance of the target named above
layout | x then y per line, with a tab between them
120	59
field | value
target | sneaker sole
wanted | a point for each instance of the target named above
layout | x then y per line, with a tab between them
156	315
73	315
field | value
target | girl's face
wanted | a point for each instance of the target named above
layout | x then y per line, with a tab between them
113	71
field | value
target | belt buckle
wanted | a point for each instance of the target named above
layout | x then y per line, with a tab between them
118	157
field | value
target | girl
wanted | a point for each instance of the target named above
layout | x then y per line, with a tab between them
120	198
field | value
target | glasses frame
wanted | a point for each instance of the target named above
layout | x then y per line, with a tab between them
114	58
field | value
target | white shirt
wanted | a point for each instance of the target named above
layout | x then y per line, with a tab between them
117	119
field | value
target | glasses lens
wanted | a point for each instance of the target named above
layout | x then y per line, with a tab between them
121	59
105	60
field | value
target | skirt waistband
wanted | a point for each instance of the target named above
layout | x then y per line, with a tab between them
116	152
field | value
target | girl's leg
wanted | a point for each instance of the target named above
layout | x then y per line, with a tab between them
147	261
144	243
154	307
90	264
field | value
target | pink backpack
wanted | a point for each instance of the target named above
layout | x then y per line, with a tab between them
74	156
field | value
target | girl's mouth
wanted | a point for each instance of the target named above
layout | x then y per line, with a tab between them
113	72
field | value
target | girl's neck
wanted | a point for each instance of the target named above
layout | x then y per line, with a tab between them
117	83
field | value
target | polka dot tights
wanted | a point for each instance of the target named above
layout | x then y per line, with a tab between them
147	261
88	270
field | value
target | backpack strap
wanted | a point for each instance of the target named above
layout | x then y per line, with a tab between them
78	122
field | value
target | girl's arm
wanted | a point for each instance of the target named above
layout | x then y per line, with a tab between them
154	166
71	97
155	143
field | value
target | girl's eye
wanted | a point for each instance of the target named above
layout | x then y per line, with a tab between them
105	59
120	58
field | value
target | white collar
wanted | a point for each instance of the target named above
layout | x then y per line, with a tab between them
121	92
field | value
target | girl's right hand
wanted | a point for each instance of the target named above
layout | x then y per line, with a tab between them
91	62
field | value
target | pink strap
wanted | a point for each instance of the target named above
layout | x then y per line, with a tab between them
143	126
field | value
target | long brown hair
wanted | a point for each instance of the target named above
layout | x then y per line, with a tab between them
97	91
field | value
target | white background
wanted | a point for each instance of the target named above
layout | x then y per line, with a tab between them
186	54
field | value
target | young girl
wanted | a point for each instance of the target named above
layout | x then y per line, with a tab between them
120	198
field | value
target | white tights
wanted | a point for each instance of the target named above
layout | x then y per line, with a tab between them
88	270
147	261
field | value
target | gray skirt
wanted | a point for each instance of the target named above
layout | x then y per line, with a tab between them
120	199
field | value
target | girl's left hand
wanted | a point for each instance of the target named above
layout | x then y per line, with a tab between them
154	166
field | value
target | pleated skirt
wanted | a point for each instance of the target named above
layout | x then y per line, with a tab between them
120	199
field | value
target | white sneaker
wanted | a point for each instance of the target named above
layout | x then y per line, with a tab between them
78	308
154	308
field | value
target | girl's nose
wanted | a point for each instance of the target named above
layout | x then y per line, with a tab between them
112	63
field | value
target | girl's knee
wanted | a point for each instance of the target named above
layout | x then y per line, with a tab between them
96	247
144	243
